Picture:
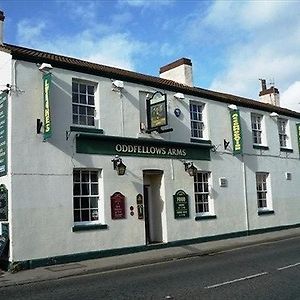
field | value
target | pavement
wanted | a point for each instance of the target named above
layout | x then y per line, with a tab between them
141	258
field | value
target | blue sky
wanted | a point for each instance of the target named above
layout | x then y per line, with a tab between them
231	43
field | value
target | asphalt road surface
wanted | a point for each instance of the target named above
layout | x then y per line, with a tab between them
267	271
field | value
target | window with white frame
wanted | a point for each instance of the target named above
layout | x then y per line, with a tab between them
263	197
282	132
197	123
203	203
256	124
83	103
86	195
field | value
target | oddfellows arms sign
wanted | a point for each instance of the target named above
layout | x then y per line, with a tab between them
237	139
111	145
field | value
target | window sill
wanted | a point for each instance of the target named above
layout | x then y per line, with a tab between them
200	141
265	212
261	147
282	149
205	217
86	129
89	227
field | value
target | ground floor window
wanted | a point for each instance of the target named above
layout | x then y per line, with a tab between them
203	201
86	195
263	195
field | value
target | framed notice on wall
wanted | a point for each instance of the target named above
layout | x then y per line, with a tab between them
181	205
117	201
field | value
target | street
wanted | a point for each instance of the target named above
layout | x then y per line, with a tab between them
266	271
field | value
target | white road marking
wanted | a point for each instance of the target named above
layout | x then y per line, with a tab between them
289	266
235	280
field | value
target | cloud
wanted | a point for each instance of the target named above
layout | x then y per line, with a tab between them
145	3
290	98
28	30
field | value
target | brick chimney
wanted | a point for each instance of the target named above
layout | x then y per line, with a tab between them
270	95
1	26
179	70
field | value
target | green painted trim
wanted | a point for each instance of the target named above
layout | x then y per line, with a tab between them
114	145
265	212
30	264
260	147
286	150
199	141
86	129
76	228
208	217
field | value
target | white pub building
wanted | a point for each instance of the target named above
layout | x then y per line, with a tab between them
98	161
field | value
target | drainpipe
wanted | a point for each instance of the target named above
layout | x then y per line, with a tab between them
245	194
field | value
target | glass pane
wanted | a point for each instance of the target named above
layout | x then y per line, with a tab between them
94	188
94	202
85	216
75	98
94	176
91	100
90	111
83	99
76	176
74	87
76	216
75	119
85	189
83	88
75	109
85	202
82	110
91	89
76	189
82	120
94	214
85	176
90	121
76	202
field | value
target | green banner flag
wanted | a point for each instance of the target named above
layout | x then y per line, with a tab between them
3	133
236	128
47	112
298	135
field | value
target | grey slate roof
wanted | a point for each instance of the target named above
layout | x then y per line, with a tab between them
74	64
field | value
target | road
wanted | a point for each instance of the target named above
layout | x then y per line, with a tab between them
266	271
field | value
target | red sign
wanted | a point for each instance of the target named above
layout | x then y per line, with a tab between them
117	201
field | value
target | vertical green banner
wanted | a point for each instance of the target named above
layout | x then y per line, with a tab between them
3	133
237	139
298	135
47	112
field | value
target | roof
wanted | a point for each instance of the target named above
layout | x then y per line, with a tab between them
74	64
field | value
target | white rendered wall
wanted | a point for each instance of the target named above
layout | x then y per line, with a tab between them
42	171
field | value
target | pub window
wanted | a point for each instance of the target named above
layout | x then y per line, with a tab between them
263	191
283	132
83	103
196	117
86	196
203	201
257	128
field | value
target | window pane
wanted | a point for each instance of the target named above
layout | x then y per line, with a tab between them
94	176
75	119
75	98
76	189
94	202
83	99
82	88
90	111
85	216
85	189
82	110
75	109
85	202
90	121
94	214
82	120
77	216
76	176
85	176
91	100
91	89
74	87
76	202
94	189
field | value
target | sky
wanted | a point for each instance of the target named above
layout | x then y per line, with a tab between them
232	44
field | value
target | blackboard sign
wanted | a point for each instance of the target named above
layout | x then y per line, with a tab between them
3	133
117	201
3	203
181	205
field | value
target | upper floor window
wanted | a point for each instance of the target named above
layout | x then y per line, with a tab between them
197	124
282	132
83	103
256	124
203	200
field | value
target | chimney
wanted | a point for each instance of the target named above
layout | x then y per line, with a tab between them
1	26
270	95
179	70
